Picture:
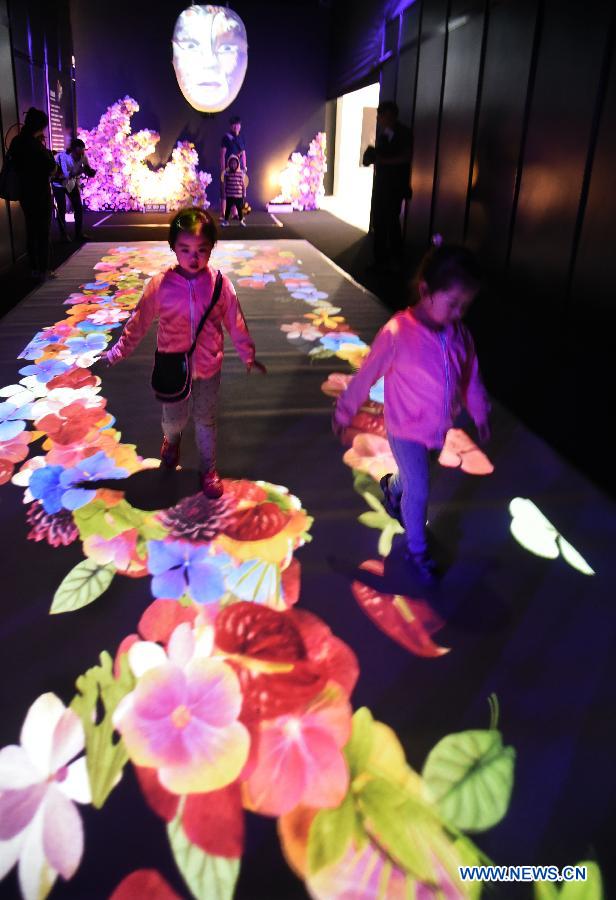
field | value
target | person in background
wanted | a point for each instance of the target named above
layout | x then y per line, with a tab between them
35	164
428	359
391	157
234	191
71	164
232	144
178	298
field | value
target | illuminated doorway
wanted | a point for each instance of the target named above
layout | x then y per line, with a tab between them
355	130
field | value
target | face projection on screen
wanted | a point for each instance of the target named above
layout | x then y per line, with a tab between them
210	56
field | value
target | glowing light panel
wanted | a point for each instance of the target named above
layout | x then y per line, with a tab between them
210	56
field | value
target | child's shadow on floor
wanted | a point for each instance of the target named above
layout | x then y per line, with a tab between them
152	489
462	596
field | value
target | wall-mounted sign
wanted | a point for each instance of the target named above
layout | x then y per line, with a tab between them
210	56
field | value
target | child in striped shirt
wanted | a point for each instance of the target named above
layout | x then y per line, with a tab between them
234	190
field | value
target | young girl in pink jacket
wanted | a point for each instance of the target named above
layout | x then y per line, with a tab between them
428	359
178	298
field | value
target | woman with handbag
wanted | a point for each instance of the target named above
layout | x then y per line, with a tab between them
35	165
192	303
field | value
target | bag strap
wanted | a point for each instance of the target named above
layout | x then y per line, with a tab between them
210	307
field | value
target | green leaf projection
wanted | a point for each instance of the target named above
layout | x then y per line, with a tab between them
82	586
106	755
470	777
207	877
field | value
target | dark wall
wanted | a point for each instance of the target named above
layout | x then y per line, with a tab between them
35	49
125	48
513	109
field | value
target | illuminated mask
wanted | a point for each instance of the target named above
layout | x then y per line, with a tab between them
210	56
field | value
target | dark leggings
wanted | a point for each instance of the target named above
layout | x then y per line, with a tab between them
238	202
60	193
37	213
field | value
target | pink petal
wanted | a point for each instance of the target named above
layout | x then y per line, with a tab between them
16	770
38	728
327	772
214	694
36	878
181	644
159	691
68	740
62	833
9	853
17	809
76	784
279	778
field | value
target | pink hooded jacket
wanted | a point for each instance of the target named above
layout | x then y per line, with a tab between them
429	376
179	303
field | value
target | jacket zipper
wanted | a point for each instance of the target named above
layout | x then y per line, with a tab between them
192	324
446	402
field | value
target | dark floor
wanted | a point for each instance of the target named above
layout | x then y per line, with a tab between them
534	631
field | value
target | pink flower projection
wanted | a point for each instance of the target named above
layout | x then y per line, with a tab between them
123	179
40	828
184	723
300	760
301	182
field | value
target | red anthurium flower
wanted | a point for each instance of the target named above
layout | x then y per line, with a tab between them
364	423
256	523
335	659
406	621
268	653
144	883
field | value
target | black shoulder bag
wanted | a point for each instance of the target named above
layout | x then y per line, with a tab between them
10	182
171	376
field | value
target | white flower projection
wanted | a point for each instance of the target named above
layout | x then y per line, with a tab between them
210	56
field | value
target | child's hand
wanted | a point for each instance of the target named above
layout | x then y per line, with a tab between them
337	427
483	430
106	359
255	364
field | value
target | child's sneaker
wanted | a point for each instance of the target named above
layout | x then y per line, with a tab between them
224	223
170	453
392	507
423	566
243	224
211	485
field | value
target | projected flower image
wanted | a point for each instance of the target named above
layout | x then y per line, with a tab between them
210	56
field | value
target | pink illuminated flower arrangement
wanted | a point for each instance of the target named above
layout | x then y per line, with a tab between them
301	182
124	180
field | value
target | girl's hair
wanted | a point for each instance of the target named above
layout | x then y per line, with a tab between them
35	120
76	144
445	265
193	221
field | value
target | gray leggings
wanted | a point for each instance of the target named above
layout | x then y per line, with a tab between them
202	405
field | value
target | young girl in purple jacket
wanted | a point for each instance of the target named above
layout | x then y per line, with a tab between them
428	359
178	298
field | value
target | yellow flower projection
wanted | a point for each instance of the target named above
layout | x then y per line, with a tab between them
210	56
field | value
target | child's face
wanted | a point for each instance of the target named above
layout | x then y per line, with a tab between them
233	165
193	252
447	306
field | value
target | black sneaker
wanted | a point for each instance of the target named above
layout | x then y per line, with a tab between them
423	566
392	507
